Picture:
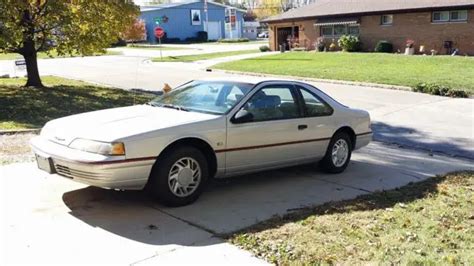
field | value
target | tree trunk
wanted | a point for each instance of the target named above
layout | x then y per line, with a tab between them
30	55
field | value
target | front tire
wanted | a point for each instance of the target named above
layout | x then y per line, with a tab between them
338	154
178	177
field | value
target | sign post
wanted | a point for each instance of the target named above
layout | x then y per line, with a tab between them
20	66
159	33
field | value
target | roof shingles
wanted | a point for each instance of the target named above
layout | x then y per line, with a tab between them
324	8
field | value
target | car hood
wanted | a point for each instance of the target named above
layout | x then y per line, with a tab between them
118	123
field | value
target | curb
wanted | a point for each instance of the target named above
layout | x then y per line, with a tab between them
20	131
331	81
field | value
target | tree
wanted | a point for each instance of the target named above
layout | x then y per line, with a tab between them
135	32
250	16
67	26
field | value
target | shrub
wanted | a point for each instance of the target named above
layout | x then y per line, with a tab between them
171	40
233	40
264	48
384	47
120	43
202	36
191	39
441	90
349	43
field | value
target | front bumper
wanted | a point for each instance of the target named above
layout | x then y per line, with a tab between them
115	172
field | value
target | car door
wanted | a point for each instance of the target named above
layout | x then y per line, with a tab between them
318	118
274	137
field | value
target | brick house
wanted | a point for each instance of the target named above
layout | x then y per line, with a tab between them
441	25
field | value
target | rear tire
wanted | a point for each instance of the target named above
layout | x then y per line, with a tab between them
178	177
338	154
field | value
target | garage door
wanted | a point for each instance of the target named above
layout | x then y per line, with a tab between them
214	30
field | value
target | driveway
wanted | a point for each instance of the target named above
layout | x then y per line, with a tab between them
47	219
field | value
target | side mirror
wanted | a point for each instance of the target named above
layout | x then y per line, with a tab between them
242	116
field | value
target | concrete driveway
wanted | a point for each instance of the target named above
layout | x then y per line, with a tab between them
47	219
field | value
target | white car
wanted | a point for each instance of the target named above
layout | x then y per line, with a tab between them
263	34
200	130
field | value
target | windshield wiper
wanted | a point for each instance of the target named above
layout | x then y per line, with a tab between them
152	104
172	106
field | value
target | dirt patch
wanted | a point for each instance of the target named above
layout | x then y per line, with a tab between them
15	148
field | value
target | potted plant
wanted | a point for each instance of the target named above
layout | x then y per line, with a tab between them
320	45
410	49
333	46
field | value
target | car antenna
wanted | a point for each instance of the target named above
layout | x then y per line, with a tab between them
137	90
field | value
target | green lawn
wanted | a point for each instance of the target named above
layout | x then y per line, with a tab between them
31	108
456	72
197	57
42	55
426	223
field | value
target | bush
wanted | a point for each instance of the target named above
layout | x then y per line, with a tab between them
436	89
349	43
171	40
202	36
264	48
119	43
191	39
233	40
384	47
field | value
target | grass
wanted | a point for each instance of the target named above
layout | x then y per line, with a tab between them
197	57
22	107
43	55
426	223
262	42
456	72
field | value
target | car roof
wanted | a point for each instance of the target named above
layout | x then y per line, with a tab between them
247	79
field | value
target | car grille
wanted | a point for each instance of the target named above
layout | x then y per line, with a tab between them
74	173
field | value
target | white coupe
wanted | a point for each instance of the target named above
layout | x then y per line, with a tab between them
200	130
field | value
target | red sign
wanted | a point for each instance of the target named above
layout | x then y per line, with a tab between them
159	32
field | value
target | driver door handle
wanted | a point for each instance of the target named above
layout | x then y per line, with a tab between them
302	127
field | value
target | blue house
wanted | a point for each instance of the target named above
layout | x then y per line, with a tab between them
185	19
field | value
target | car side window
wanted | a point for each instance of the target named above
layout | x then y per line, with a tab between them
273	103
313	105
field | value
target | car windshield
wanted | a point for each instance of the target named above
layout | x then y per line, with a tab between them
204	96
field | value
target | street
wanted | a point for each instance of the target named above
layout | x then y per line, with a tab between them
411	119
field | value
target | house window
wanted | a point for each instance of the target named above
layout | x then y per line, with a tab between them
327	30
460	15
450	16
338	30
442	16
387	19
353	30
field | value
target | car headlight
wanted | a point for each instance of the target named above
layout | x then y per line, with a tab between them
105	148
